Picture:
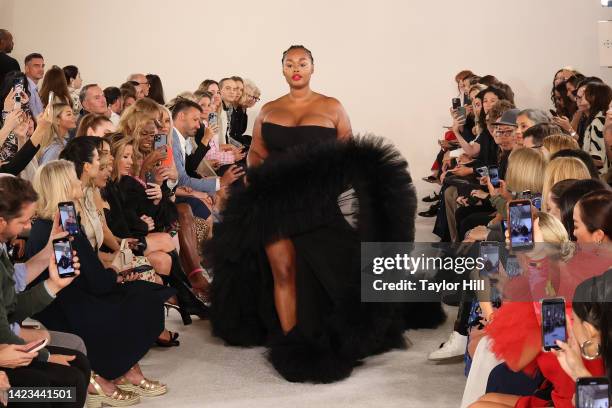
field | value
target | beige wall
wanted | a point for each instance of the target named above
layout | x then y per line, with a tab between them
390	62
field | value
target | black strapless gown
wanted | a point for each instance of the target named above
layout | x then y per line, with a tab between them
300	192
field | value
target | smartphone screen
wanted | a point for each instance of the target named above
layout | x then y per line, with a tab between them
68	217
212	119
483	171
592	392
63	257
456	102
512	267
149	178
553	323
520	224
536	200
37	346
494	176
160	141
489	252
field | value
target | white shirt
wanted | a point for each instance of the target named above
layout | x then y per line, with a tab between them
114	117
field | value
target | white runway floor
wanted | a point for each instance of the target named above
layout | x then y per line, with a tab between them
202	372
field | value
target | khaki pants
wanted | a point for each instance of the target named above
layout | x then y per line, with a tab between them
450	202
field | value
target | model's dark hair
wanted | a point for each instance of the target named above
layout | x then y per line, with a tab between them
156	89
15	193
596	210
592	303
183	104
582	156
298	47
571	196
80	150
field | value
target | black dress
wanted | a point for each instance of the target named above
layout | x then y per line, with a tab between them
295	194
118	323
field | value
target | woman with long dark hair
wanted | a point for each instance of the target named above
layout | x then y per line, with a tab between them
286	254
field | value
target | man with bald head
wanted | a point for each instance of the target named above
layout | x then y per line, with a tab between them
143	83
7	63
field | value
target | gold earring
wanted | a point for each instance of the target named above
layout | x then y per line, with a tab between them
584	350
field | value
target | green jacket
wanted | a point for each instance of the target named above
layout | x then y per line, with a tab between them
17	307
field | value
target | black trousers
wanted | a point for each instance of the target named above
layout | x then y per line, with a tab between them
39	374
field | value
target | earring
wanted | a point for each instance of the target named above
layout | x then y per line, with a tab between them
584	347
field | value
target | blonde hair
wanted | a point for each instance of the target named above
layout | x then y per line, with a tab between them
525	169
552	229
53	183
554	143
53	136
118	145
249	88
554	233
562	168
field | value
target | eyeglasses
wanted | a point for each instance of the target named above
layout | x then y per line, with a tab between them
143	83
255	98
504	133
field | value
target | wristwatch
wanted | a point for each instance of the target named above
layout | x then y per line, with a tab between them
573	133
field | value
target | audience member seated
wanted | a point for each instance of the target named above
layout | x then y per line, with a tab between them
63	121
34	71
117	322
55	81
114	99
95	125
74	81
141	83
156	89
593	100
50	366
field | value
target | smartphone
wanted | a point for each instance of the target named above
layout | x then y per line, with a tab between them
536	201
504	226
51	97
461	112
512	266
63	257
212	119
483	171
37	346
553	323
68	217
453	163
494	176
160	141
520	224
553	112
149	178
592	392
489	252
18	87
456	103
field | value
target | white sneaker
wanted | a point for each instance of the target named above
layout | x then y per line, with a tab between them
453	348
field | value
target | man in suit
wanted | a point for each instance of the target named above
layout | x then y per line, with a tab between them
7	63
186	116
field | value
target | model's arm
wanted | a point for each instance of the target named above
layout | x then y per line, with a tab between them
257	152
343	123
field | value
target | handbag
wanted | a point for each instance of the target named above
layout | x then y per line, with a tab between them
124	258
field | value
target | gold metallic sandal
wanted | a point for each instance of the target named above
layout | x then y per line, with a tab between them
146	387
119	398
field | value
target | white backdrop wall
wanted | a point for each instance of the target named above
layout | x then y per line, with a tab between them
390	62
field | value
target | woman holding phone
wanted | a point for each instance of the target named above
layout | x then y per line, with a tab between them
284	254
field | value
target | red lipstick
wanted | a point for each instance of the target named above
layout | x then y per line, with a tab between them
296	77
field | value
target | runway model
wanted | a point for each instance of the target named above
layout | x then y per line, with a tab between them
286	258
